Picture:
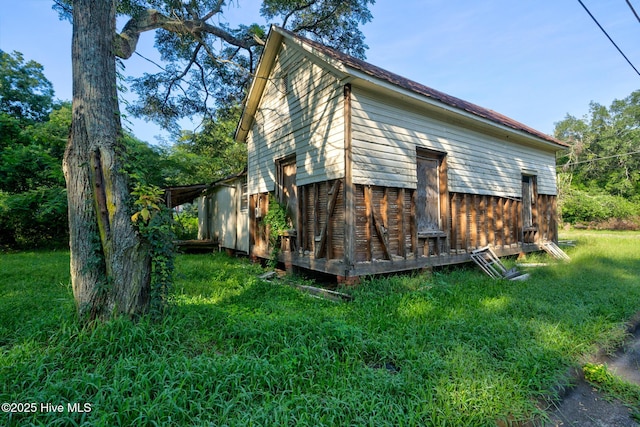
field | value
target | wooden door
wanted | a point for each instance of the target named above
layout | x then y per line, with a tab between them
288	190
528	199
428	194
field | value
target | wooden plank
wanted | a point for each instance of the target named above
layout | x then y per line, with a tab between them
455	222
464	221
384	207
482	209
444	202
473	220
376	222
349	186
402	248
516	210
500	241
333	196
316	220
491	221
367	229
413	225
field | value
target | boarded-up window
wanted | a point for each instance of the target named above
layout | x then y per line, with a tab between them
528	199
428	192
287	192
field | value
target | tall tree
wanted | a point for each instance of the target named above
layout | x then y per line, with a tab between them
110	265
604	152
25	93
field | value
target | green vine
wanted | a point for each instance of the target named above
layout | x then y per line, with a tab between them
154	222
277	221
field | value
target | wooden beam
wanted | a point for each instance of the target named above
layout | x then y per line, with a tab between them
454	222
413	224
444	202
464	221
402	249
316	221
333	196
473	228
377	222
349	188
367	228
483	221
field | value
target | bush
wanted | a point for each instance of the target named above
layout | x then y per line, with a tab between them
185	225
580	206
34	219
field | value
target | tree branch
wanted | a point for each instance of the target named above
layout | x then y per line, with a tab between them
151	19
297	9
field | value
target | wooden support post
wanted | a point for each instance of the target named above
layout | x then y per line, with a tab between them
368	221
316	221
483	221
413	224
349	188
302	220
473	219
491	219
500	222
402	249
454	223
464	221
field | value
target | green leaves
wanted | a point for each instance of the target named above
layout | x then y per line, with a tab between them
25	92
605	147
599	176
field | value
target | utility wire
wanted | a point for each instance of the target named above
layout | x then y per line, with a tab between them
633	10
610	39
601	158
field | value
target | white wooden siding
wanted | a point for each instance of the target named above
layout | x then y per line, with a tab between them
387	132
307	120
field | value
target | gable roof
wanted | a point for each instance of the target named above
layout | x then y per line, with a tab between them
350	65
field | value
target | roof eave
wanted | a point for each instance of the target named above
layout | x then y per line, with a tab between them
549	142
256	89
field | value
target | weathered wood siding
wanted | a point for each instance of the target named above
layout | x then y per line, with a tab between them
301	113
223	216
386	133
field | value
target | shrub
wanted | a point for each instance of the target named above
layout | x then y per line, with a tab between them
34	219
185	224
580	206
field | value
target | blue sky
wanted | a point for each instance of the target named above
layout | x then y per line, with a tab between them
534	61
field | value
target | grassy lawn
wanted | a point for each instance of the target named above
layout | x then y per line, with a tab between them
452	348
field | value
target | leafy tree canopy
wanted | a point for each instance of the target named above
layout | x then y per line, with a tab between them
25	93
208	63
605	148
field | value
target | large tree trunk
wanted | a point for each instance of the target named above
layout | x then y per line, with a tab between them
110	266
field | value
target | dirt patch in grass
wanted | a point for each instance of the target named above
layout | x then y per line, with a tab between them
585	405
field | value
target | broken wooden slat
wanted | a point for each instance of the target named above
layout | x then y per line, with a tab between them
377	223
489	262
333	192
325	293
552	249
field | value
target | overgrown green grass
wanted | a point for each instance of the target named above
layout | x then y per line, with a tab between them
453	348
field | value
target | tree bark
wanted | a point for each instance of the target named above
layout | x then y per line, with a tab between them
110	265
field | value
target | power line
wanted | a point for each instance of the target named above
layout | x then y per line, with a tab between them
633	10
610	39
601	158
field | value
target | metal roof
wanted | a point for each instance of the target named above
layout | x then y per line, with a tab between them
349	64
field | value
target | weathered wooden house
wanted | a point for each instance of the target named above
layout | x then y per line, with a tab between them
382	174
